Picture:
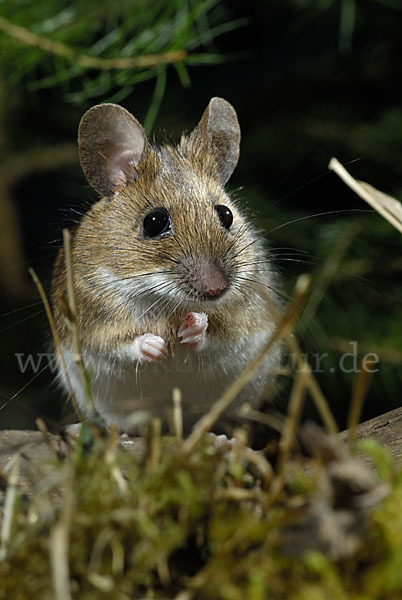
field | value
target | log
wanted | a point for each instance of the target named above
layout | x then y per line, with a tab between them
34	448
385	429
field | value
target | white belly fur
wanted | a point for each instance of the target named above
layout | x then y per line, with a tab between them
120	386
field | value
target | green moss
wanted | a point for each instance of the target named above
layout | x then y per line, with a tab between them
140	532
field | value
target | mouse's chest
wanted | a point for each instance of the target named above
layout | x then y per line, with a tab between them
202	377
196	373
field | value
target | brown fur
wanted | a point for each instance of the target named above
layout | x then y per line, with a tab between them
187	181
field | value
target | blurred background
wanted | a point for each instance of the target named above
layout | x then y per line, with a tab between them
310	79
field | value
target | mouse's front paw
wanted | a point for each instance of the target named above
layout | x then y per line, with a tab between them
150	348
193	330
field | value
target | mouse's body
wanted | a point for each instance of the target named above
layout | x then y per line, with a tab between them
173	286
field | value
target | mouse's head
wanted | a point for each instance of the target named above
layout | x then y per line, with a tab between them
167	230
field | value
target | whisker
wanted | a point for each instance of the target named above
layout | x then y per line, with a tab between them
40	312
165	308
175	308
274	250
261	283
147	290
157	301
145	252
304	185
266	261
246	227
298	260
155	288
322	214
129	277
26	385
11	312
245	248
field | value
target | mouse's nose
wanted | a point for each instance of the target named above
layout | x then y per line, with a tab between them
205	276
213	280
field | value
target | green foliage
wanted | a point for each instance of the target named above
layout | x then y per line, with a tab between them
78	48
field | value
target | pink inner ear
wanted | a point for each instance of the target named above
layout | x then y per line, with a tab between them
121	167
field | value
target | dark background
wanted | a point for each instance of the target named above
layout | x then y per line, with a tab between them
306	87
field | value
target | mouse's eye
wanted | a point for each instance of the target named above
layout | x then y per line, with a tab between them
156	222
225	215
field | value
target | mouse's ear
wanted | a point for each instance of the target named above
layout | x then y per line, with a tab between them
111	144
218	133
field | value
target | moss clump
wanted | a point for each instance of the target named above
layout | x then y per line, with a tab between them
107	524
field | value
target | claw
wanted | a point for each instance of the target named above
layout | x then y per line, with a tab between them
150	348
193	329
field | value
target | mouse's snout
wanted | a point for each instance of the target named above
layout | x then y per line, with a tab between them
212	279
206	278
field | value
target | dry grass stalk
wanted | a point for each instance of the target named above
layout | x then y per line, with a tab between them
360	388
9	506
314	388
56	339
284	327
101	582
153	443
185	595
71	316
177	415
102	541
241	440
46	436
59	545
239	495
117	557
276	422
386	206
163	571
261	463
3	480
296	402
111	459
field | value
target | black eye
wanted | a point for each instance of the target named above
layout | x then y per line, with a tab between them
156	222
225	215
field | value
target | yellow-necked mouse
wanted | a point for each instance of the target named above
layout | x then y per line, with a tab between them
173	286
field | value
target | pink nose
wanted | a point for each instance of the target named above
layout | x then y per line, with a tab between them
213	280
212	292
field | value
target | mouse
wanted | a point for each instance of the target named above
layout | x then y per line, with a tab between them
173	285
